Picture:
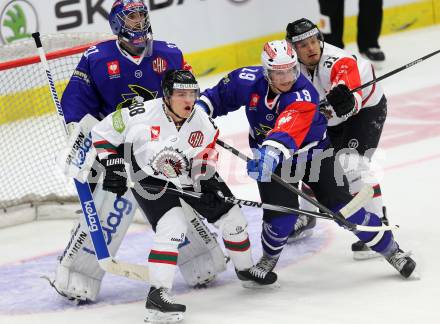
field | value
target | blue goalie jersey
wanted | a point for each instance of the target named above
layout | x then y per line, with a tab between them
107	78
290	121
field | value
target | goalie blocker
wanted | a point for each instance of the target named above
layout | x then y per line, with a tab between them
78	275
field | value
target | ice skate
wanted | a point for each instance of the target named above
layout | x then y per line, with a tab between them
162	308
261	274
363	252
303	229
401	261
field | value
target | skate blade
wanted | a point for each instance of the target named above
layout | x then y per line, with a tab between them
155	316
300	236
365	255
254	285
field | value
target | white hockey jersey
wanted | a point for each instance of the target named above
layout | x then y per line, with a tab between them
159	149
338	66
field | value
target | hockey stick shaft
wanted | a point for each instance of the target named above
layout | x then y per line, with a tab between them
355	204
404	67
237	201
85	196
386	75
250	203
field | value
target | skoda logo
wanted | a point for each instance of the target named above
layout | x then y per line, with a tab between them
18	20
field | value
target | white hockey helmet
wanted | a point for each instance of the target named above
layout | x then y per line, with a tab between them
279	55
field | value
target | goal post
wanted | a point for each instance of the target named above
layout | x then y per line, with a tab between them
30	133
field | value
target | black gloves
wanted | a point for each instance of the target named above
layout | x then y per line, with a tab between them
212	193
115	179
342	101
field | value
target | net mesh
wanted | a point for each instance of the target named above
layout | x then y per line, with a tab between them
30	132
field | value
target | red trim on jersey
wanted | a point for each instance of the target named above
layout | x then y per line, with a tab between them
346	70
185	65
296	120
372	89
209	156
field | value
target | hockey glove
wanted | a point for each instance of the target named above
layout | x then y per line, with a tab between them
212	193
342	101
115	179
262	168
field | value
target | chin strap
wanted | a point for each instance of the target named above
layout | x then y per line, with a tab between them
175	114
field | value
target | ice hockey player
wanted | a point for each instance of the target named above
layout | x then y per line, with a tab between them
286	131
173	147
111	75
355	120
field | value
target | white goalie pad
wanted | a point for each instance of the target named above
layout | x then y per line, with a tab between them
78	274
76	159
200	256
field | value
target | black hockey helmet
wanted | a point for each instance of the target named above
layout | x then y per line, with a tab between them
178	79
301	29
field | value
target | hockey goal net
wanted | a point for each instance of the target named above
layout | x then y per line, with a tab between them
30	133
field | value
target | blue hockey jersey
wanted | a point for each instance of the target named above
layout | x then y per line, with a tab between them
107	78
291	121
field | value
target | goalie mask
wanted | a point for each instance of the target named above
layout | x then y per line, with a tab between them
130	21
280	65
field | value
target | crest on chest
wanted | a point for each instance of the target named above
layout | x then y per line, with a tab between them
170	162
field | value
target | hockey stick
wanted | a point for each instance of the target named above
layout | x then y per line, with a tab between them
250	203
386	75
365	194
105	260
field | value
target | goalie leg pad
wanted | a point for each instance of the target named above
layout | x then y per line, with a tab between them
75	285
79	271
233	226
162	260
200	256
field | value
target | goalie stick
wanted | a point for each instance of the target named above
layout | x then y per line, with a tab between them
324	102
105	260
283	209
365	194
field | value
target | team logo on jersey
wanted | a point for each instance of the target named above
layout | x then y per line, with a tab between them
263	130
113	69
160	65
284	120
170	162
270	117
155	132
195	139
136	91
138	74
353	143
254	101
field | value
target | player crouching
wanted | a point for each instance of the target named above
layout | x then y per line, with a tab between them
172	145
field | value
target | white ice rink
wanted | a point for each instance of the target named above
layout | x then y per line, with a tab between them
320	282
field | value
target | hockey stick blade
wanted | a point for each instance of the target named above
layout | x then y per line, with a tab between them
124	269
358	201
